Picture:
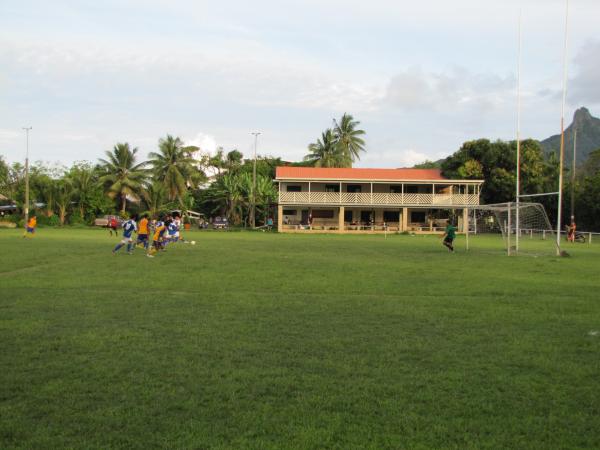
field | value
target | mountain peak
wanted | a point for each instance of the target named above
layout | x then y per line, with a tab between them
582	115
588	136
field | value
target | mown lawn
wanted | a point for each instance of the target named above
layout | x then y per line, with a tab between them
258	340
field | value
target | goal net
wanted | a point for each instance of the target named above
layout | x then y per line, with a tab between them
524	229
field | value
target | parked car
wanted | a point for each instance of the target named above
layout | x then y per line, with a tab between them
104	220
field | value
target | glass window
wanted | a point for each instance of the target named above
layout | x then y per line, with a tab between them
294	188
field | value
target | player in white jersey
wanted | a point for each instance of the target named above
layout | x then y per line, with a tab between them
129	227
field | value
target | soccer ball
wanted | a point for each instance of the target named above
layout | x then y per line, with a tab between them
193	242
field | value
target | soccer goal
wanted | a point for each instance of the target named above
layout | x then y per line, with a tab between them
523	228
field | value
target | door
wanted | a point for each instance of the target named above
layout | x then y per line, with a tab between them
304	219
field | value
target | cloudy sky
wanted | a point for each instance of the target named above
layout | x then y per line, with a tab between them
421	76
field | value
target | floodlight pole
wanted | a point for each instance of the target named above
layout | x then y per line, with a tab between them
27	129
562	133
255	134
518	187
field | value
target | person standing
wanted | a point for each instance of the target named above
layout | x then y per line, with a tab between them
113	226
448	237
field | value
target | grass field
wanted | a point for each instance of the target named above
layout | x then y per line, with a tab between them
257	340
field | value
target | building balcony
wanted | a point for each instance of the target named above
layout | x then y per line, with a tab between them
377	199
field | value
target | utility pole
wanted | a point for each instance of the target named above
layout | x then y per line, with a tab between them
255	134
27	129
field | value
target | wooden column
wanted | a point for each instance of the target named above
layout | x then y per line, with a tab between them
279	218
341	219
404	219
465	220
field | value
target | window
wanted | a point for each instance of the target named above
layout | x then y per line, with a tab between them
353	188
396	189
348	216
391	216
411	189
322	213
417	217
294	188
332	188
366	217
289	212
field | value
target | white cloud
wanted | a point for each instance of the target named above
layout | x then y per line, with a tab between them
584	83
206	142
457	89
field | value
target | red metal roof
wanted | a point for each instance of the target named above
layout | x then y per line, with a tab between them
326	173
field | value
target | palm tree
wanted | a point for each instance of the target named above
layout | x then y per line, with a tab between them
228	194
175	167
63	197
347	137
84	180
122	177
155	196
266	194
325	152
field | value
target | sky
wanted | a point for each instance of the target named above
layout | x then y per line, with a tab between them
422	76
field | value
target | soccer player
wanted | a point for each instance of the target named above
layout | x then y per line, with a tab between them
30	228
129	227
448	237
142	237
173	231
112	225
159	231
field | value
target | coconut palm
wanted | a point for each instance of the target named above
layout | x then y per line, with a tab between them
325	152
121	176
348	139
175	167
155	196
85	183
64	193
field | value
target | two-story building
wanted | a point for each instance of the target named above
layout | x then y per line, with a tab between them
345	200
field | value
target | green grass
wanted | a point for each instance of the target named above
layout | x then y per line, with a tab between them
257	340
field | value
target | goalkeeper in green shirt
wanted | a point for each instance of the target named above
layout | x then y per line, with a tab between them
448	237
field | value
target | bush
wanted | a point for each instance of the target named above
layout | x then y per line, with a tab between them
76	219
53	221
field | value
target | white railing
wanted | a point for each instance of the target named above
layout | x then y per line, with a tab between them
384	199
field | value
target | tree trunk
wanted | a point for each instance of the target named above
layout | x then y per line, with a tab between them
124	203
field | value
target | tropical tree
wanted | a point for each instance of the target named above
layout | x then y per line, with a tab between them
174	166
266	194
85	186
349	139
325	152
228	195
122	176
155	197
64	193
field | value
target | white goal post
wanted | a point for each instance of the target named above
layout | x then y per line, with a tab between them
535	232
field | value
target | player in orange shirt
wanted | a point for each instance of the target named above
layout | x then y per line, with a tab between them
30	229
142	238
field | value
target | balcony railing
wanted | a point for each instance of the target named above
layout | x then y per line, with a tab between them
376	199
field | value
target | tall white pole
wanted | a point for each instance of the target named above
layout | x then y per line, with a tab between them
27	129
562	133
255	133
518	187
573	168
